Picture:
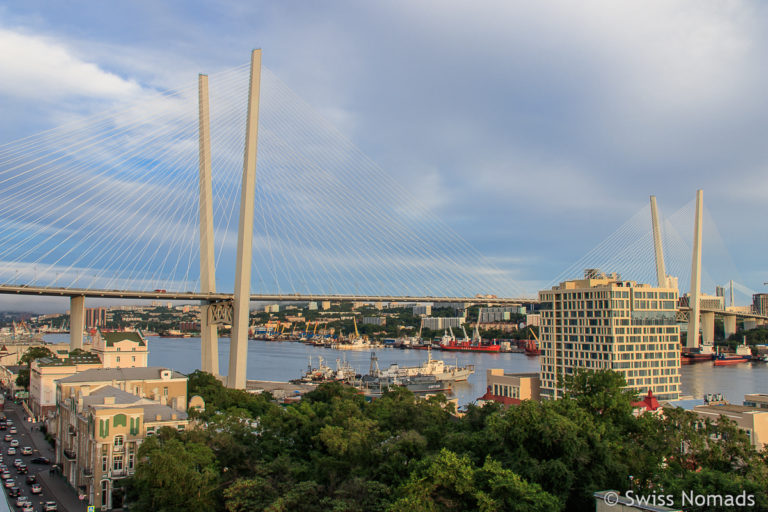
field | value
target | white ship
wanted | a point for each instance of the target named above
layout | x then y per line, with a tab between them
434	367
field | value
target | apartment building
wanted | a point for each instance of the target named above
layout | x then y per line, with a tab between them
604	322
45	371
156	383
98	432
120	349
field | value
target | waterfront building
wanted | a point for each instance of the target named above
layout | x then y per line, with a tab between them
98	433
511	388
438	323
760	303
95	317
533	319
45	371
756	400
120	349
603	322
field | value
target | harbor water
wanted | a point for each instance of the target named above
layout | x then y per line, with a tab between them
285	360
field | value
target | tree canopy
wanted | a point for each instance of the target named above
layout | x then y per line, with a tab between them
337	451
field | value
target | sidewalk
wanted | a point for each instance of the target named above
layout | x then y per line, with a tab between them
54	486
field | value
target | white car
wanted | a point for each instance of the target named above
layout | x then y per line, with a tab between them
5	475
11	451
22	501
14	443
27	450
10	483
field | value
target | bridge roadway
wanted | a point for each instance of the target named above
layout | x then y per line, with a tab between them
219	297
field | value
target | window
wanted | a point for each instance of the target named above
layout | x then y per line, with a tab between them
104	463
150	431
118	441
165	391
117	462
117	359
131	458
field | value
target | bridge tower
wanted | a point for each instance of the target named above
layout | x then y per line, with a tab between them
661	273
695	305
208	331
238	348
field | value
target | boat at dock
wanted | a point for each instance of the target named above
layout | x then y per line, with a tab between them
376	382
697	355
742	355
435	367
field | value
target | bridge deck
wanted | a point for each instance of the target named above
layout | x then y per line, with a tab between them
216	297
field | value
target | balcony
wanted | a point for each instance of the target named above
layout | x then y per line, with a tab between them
70	454
87	472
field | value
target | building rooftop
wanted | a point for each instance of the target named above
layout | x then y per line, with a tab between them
724	408
110	374
110	338
152	410
85	358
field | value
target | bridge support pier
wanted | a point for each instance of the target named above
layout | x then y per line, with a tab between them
238	348
707	328
209	339
76	321
729	325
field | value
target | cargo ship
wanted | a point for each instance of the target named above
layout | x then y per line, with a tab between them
742	355
697	355
468	346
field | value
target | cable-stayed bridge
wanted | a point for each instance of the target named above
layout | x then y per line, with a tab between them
160	199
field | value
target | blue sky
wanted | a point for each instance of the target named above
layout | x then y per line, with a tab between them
532	130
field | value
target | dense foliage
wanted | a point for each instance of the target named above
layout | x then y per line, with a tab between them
336	451
32	353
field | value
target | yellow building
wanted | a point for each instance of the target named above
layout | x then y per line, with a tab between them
98	433
160	384
120	349
752	420
44	372
604	322
511	388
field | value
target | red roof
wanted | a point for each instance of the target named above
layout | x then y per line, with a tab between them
506	400
648	403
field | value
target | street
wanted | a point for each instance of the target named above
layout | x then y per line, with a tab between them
54	487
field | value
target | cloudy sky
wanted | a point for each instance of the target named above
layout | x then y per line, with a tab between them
532	130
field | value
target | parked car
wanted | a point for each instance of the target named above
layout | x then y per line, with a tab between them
27	450
35	489
40	460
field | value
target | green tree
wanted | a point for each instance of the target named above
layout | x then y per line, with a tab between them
26	361
173	475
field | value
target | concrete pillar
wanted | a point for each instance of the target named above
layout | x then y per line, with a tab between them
693	320
209	337
707	328
661	273
729	324
238	348
76	321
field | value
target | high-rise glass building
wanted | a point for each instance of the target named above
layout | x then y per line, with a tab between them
604	322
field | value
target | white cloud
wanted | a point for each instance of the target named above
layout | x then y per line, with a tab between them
38	67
